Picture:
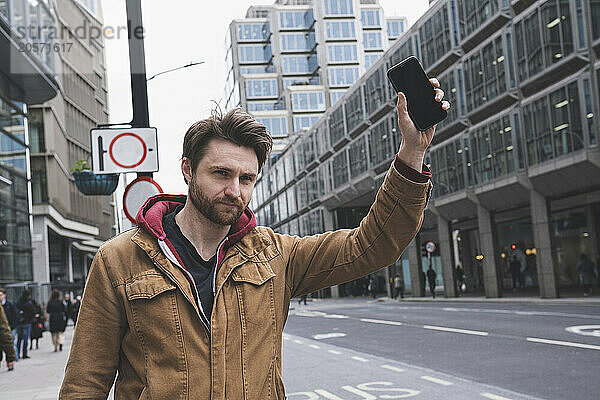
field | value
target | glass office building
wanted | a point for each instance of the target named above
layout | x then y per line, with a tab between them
516	165
289	62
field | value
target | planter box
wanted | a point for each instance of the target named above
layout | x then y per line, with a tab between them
95	185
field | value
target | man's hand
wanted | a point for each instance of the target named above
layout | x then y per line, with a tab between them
414	143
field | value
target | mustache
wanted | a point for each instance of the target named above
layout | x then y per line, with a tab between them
232	201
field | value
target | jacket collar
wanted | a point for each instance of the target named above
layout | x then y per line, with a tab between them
150	216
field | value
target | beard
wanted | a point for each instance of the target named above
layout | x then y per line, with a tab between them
207	207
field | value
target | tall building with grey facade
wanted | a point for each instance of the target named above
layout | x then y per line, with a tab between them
516	165
290	61
67	227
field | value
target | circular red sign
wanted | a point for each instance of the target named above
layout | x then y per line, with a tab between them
128	188
112	157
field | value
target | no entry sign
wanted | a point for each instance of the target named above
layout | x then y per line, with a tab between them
136	194
124	150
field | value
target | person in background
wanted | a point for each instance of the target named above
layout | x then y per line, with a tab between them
68	307
398	287
460	278
37	326
10	309
515	272
585	268
58	319
76	309
26	315
431	275
7	345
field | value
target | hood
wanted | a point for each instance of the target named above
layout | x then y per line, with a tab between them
150	215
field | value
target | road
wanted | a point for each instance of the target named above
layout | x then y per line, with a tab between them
470	350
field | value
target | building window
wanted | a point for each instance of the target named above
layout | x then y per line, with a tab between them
474	13
342	53
485	74
335	95
301	194
296	19
340	170
395	28
451	90
354	110
299	64
375	91
257	88
340	30
370	18
265	105
336	125
35	122
253	32
380	143
338	7
257	69
543	38
435	37
254	53
358	157
308	101
342	76
305	121
447	162
372	40
297	41
276	126
595	18
589	111
370	59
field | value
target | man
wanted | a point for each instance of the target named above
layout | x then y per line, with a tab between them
11	312
192	303
515	272
7	346
26	315
398	287
431	275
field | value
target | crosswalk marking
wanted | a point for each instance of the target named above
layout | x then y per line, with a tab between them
436	380
298	341
392	368
359	359
314	346
334	352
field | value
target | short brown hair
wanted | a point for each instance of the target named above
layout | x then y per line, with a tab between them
236	126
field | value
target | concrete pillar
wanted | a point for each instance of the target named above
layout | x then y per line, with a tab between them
447	256
388	274
593	233
491	277
416	268
542	238
68	242
335	291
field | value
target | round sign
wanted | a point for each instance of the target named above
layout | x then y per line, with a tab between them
136	193
430	247
127	150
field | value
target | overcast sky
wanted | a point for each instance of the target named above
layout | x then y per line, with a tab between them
178	32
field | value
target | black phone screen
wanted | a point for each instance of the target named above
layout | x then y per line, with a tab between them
409	78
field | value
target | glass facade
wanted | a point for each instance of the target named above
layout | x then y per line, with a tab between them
380	143
259	88
299	64
372	40
435	38
297	41
15	229
308	101
354	108
338	7
395	28
370	18
254	53
472	14
340	30
296	19
374	89
342	53
342	76
258	32
276	126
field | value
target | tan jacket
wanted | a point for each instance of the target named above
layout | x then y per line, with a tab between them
139	315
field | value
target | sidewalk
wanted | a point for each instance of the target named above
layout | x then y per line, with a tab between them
39	377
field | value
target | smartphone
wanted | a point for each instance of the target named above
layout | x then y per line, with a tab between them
409	78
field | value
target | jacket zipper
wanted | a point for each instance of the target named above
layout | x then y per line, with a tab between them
214	282
172	258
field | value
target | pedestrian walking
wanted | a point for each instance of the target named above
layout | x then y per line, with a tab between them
302	299
7	346
68	307
585	268
37	326
58	319
460	279
431	275
192	302
12	315
398	287
76	307
372	289
26	315
515	272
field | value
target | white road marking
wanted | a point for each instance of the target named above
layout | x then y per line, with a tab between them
392	368
381	321
328	335
436	380
456	330
327	395
494	396
359	359
561	343
314	346
334	352
586	330
298	341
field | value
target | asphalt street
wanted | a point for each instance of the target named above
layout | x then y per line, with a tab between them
480	350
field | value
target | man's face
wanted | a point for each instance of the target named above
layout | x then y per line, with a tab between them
222	184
